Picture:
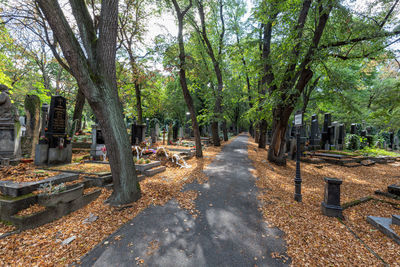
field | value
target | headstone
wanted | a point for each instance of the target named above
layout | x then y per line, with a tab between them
180	133
353	128
175	132
96	152
391	140
325	131
10	130
331	205
170	133
32	110
56	145
138	133
315	134
341	137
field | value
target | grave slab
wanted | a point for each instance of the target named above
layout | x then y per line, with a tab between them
13	189
383	225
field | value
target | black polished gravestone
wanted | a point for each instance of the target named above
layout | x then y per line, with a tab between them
175	130
353	128
391	140
138	133
56	147
341	137
315	134
55	133
325	130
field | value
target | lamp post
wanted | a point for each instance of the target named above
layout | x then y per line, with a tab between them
298	122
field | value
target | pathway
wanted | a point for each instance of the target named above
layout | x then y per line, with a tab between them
229	230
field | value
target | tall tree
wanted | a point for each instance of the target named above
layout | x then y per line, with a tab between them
93	66
182	75
216	58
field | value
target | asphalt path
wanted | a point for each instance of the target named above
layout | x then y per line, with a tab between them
229	231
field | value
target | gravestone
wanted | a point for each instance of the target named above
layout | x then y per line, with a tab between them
157	130
32	111
10	128
353	128
98	143
55	147
314	134
175	132
138	133
341	137
180	132
331	205
325	131
170	133
391	140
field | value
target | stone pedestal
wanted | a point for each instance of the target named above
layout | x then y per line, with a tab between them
96	153
41	155
331	205
10	140
60	155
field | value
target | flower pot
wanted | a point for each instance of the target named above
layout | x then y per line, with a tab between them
71	193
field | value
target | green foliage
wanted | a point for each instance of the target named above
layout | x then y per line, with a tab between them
368	151
352	142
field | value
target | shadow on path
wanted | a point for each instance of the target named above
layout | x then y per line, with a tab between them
229	230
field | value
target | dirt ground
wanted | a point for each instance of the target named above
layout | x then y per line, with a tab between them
42	246
317	240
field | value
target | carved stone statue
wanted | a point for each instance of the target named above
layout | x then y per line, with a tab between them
8	112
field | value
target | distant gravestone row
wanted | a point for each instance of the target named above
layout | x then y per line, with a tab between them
332	136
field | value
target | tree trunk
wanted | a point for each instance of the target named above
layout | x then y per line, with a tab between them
279	127
225	130
215	134
138	102
94	71
78	110
262	140
182	78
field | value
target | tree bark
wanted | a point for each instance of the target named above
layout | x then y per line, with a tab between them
78	110
138	102
225	130
182	77
94	71
262	140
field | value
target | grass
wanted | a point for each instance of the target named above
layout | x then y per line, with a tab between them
378	152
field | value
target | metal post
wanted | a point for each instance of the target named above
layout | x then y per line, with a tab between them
297	179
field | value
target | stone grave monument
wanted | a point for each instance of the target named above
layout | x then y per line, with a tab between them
98	143
138	133
10	129
325	131
31	138
54	145
315	138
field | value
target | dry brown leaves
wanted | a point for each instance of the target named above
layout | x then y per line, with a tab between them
317	240
396	228
42	246
31	210
4	228
84	167
24	172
